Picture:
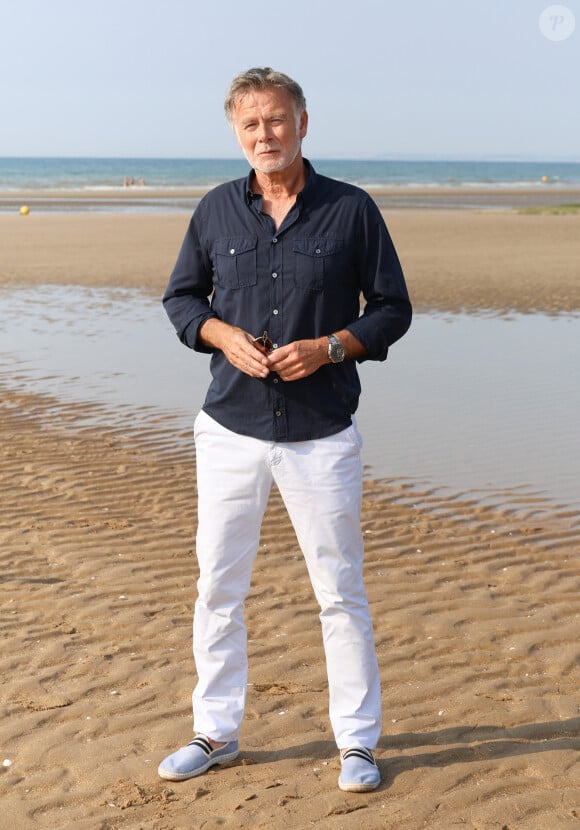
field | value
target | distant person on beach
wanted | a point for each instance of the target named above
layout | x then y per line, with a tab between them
268	281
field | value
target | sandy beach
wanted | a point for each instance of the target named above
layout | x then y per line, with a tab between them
454	259
476	605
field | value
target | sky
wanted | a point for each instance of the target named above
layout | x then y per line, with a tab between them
472	79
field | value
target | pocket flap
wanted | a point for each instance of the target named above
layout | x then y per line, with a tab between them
234	245
317	247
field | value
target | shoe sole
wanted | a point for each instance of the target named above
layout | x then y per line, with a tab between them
167	775
358	788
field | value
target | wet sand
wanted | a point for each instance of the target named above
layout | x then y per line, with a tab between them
476	607
142	199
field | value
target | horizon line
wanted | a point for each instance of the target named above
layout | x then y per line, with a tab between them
419	157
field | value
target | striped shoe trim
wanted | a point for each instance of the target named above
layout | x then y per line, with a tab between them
203	744
360	752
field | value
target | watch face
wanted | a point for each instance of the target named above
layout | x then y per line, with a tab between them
335	350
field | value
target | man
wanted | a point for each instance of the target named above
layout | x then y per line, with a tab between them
284	255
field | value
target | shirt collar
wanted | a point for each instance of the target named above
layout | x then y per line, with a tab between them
310	179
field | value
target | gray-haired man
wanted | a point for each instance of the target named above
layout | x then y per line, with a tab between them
284	255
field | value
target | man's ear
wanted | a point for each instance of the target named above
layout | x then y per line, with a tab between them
303	124
235	132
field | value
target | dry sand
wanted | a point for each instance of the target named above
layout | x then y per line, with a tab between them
454	260
476	607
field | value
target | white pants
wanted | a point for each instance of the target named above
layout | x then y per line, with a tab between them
321	484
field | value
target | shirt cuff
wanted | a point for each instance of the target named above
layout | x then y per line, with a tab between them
190	334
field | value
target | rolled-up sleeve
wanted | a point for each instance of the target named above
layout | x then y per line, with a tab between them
186	297
387	311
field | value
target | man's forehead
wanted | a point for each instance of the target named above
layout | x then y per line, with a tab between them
269	98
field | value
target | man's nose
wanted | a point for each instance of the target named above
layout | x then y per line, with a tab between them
264	131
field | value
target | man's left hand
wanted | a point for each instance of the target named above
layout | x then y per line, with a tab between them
299	359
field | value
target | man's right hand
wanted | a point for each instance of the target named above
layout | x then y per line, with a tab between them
238	346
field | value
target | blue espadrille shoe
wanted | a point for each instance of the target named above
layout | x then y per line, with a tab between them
195	759
359	772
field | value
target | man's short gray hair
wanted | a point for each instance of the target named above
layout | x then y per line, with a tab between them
260	78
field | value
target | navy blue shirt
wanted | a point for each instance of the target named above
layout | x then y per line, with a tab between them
301	281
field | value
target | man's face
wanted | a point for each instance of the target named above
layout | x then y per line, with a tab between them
268	130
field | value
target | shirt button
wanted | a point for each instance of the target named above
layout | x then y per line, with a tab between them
275	311
275	240
274	345
275	380
274	275
232	250
278	413
317	251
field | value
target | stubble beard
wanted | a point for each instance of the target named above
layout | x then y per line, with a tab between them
275	165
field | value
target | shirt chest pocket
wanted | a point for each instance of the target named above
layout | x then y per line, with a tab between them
313	259
234	262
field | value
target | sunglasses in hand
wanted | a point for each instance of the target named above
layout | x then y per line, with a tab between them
264	340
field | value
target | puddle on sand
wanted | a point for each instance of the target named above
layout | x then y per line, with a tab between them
482	403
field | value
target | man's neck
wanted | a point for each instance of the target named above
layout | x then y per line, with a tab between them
282	185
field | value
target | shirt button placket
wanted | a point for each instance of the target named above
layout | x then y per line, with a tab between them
275	328
280	426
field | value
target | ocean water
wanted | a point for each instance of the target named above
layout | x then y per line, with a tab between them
98	175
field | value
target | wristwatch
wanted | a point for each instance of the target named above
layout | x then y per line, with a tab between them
335	349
